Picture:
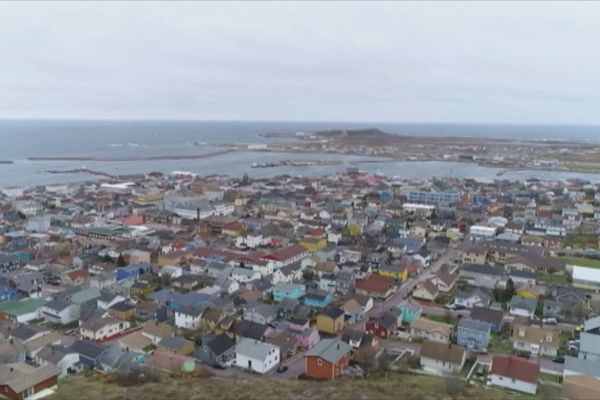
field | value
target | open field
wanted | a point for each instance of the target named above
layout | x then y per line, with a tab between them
390	386
583	262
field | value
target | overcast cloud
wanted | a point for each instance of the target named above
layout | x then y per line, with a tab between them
415	62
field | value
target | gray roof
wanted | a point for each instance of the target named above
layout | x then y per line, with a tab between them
590	343
467	323
579	366
53	353
330	350
58	304
254	349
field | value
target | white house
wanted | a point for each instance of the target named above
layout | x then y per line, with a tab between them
441	358
61	312
482	232
171	270
188	318
107	300
514	373
103	328
244	275
256	356
62	357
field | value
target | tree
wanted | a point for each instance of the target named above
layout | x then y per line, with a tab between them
509	291
121	261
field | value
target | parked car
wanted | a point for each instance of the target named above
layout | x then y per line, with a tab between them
550	321
559	359
282	368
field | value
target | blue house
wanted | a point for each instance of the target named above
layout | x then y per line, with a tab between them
133	271
8	293
474	335
409	312
287	291
317	299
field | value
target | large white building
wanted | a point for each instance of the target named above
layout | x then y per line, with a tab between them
256	356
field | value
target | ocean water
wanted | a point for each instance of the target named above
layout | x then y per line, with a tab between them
123	139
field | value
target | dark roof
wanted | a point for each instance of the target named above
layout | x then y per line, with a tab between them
487	315
88	349
220	344
333	313
250	329
443	352
122	306
482	269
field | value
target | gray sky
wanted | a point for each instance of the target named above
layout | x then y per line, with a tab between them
415	62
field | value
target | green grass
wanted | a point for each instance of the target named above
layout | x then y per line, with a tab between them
437	318
550	377
499	344
555	279
582	241
581	261
390	385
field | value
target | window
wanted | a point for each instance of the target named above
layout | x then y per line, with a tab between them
319	362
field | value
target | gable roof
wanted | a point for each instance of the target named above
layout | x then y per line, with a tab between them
254	348
21	376
331	350
515	368
220	344
452	354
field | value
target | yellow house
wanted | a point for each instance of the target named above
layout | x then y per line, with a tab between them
331	321
312	245
394	271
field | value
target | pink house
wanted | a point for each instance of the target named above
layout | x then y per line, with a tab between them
307	337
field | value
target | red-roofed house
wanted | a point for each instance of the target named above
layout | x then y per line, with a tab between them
75	276
514	373
286	256
376	286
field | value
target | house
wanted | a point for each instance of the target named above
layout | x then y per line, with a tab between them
425	291
514	373
472	299
535	340
473	334
256	356
288	274
188	318
522	306
107	299
89	352
327	359
395	271
586	277
20	380
123	310
23	310
382	326
430	330
493	317
60	312
286	341
472	272
62	357
155	330
441	358
408	312
306	336
283	291
260	313
101	329
117	359
317	299
217	351
444	281
250	330
331	321
176	345
377	286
